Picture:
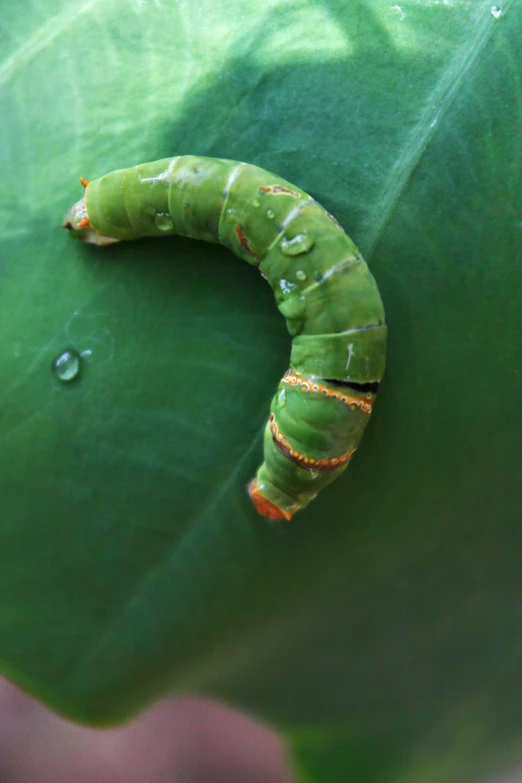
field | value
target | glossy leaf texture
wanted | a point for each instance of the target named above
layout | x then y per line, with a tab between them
132	564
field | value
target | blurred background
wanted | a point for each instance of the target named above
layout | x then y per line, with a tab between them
179	741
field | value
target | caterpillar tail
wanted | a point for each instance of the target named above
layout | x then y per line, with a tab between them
264	506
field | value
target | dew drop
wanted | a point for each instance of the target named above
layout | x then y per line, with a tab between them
286	286
66	366
496	11
398	10
256	203
270	215
301	274
163	221
301	243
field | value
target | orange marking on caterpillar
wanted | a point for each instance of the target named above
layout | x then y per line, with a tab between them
84	182
83	223
278	189
243	241
264	506
308	463
307	385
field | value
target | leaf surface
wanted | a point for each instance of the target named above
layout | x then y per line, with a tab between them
132	562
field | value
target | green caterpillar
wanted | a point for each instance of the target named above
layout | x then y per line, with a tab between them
322	286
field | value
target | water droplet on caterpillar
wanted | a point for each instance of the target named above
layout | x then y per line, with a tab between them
286	286
163	221
66	366
299	244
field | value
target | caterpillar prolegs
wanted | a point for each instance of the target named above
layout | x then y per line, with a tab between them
322	286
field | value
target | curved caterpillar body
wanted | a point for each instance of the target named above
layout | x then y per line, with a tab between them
322	286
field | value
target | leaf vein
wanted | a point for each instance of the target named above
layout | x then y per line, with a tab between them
438	103
41	39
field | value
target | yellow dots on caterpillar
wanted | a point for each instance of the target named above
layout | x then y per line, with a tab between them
328	390
309	463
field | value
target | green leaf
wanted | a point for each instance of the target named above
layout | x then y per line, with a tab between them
131	560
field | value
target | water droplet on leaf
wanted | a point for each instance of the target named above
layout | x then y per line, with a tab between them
66	366
398	10
300	274
496	11
270	215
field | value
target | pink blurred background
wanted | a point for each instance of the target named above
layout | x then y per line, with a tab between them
181	741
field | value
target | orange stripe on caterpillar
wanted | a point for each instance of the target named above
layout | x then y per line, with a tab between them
277	190
320	387
264	506
243	241
308	463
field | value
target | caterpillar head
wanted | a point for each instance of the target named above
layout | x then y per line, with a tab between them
77	223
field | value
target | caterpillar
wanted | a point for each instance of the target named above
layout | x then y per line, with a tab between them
322	287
